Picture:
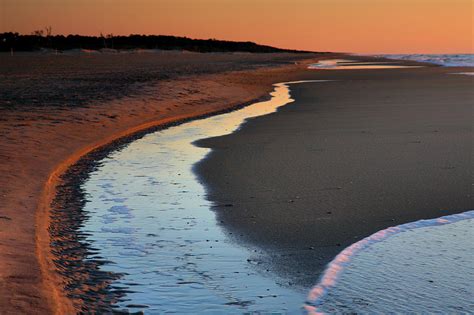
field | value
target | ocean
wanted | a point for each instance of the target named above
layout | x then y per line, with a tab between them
423	267
447	60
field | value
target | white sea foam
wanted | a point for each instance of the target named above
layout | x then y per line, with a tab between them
447	60
340	264
464	73
346	64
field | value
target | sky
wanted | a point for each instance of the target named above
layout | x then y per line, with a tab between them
361	26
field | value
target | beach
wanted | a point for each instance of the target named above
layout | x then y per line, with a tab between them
236	157
55	109
367	150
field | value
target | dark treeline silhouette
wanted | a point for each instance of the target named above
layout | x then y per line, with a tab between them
38	41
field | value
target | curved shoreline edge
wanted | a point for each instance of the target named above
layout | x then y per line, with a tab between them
336	266
85	282
234	149
51	281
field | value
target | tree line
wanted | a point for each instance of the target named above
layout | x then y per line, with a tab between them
45	40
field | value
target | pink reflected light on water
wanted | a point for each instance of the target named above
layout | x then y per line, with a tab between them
336	267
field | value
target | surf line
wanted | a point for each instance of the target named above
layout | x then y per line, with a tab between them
336	266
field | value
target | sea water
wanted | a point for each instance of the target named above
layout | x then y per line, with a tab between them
447	60
422	267
349	64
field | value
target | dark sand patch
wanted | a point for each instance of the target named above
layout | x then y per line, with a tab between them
373	149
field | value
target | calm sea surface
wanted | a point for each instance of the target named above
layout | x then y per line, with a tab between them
424	267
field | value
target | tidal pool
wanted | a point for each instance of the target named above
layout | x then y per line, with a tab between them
149	219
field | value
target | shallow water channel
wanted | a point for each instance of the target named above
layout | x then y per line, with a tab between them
149	216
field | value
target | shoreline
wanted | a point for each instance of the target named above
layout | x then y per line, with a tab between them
56	178
334	269
68	213
49	281
59	302
375	165
128	136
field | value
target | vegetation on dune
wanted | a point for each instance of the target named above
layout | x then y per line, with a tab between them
45	40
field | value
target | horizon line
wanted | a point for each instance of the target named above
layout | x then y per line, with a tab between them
242	41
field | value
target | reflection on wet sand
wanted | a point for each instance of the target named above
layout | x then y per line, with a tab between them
149	230
347	64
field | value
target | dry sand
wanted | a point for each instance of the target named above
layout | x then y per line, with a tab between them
372	149
54	109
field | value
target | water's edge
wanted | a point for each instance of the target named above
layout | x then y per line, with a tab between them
334	269
445	60
87	284
77	262
67	217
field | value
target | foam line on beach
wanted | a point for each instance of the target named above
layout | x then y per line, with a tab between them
346	64
464	73
337	265
445	60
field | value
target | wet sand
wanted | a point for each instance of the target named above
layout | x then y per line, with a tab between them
55	109
369	150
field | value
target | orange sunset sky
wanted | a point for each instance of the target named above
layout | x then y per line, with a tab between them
364	26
